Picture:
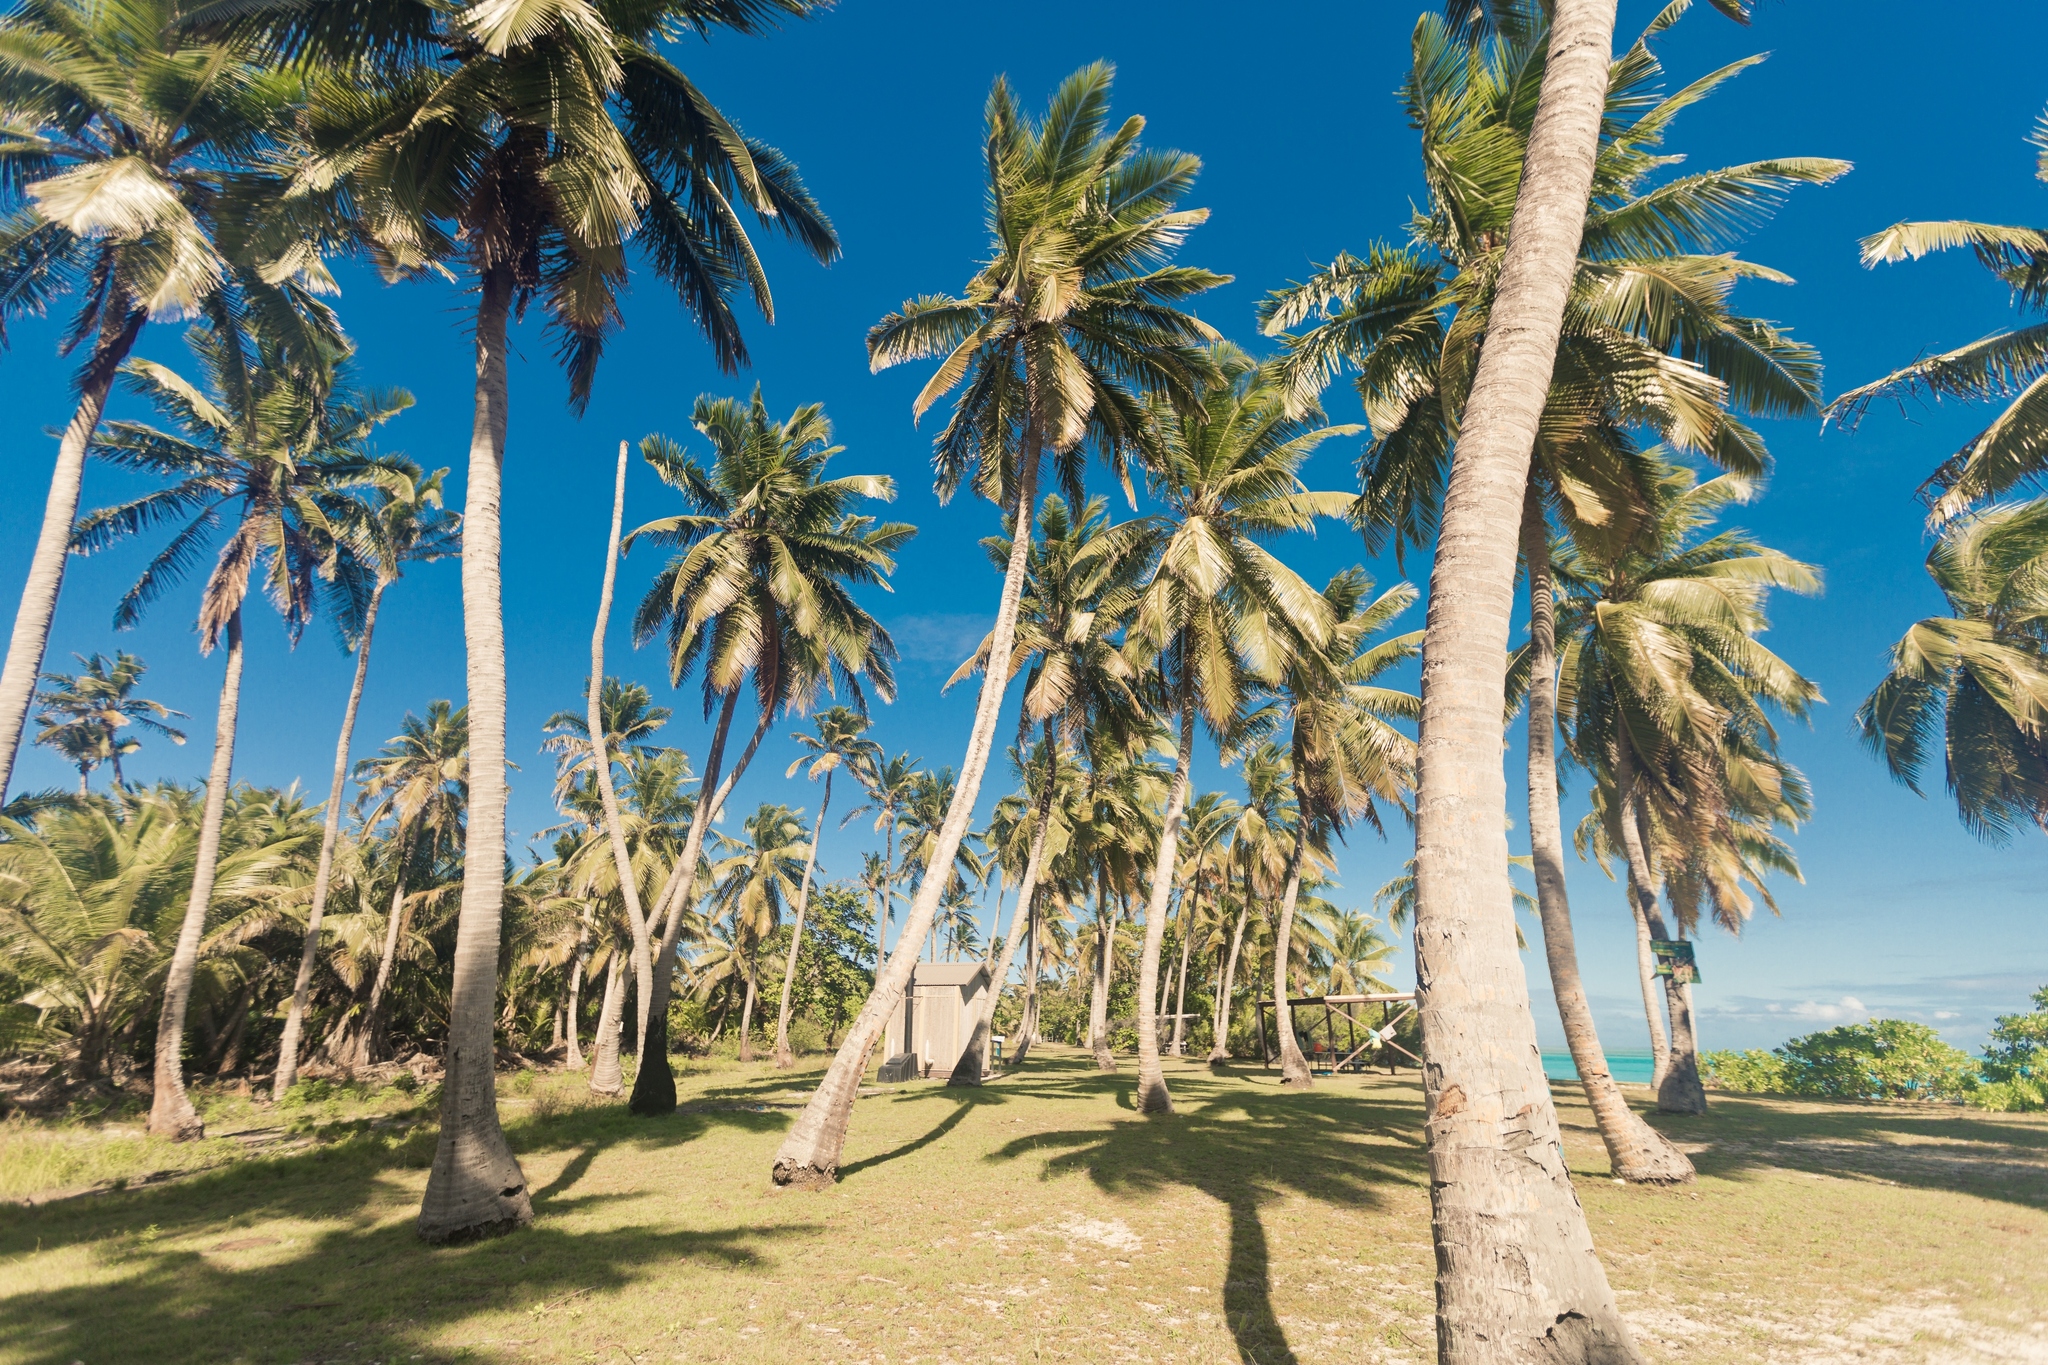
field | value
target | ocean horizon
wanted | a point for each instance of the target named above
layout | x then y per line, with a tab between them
1630	1068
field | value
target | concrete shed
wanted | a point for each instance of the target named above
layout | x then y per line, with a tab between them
936	1017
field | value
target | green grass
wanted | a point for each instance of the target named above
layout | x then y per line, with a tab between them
1034	1219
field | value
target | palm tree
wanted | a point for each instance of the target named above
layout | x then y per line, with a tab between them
404	523
889	786
421	780
86	711
1210	817
630	719
90	900
277	445
1080	586
756	879
1343	755
1258	860
760	592
1220	611
1975	681
1483	1042
924	819
2007	364
1660	670
1052	344
426	118
840	742
1358	954
1648	341
134	173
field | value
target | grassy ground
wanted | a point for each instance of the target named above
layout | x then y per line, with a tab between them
1035	1219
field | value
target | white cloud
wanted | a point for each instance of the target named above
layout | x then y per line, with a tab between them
1848	1008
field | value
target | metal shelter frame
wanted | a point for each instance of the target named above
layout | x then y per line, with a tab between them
1326	1059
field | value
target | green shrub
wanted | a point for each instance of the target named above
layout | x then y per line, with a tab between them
1885	1059
1756	1071
2016	1061
306	1091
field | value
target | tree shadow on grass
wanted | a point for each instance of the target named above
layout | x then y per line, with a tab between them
1243	1149
334	1270
1923	1146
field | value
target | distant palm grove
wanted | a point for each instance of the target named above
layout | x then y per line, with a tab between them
1561	398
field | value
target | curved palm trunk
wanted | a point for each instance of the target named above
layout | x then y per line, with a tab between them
973	1058
809	1156
171	1113
1517	1279
1219	1046
1646	974
1679	1090
1637	1152
1294	1072
1187	942
309	955
475	1185
1153	1096
601	762
784	1058
370	1034
654	1084
747	1021
31	637
607	1074
574	1058
1105	965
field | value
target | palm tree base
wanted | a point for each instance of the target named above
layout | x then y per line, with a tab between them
784	1059
805	1177
1153	1097
172	1116
654	1085
1663	1165
1105	1060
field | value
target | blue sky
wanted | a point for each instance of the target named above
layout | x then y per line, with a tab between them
1306	153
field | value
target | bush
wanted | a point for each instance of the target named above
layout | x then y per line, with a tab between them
1757	1071
2016	1062
1885	1059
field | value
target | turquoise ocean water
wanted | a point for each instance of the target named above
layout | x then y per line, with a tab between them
1630	1068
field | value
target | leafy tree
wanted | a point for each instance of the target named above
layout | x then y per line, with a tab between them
760	595
136	174
2016	1059
403	523
1072	318
87	710
274	449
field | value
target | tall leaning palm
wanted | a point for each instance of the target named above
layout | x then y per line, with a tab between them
840	742
1220	612
760	597
132	173
1069	323
271	450
403	523
534	149
84	711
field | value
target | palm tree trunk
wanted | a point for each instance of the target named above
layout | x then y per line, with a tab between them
309	955
747	1020
1294	1072
1027	1017
1219	1046
1153	1096
809	1156
574	1058
967	1071
1105	962
370	1032
1499	1191
601	761
607	1076
784	1058
1637	1152
888	895
171	1114
1678	1090
475	1185
31	638
654	1084
1188	913
1646	973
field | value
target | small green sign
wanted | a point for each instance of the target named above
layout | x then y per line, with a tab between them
1674	959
